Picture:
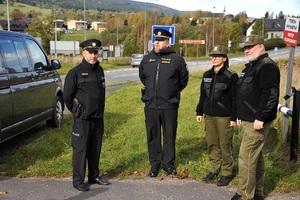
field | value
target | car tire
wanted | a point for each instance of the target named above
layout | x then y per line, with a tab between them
58	115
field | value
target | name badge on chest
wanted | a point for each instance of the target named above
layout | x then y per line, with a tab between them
165	60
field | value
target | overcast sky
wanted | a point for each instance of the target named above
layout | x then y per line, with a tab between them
253	8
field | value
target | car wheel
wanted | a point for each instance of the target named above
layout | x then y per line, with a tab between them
57	116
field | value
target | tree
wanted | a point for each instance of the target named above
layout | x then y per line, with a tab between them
176	19
43	28
16	14
260	28
33	14
240	18
267	15
281	15
233	32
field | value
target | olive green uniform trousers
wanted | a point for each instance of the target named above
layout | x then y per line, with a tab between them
251	160
219	136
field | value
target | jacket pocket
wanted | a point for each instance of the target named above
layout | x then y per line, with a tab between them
206	88
77	138
246	87
144	97
219	91
76	109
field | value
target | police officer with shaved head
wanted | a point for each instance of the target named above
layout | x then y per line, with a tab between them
257	100
84	95
164	75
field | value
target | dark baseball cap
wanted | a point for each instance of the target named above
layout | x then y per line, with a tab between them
91	45
253	40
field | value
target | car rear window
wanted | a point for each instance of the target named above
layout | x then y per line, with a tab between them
137	56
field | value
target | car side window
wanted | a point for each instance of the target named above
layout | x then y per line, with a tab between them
2	69
15	56
22	56
37	55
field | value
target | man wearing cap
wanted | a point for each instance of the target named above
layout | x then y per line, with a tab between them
164	75
84	95
218	105
257	99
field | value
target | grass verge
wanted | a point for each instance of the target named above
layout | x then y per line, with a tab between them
47	152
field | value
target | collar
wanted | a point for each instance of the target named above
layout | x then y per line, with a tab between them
254	62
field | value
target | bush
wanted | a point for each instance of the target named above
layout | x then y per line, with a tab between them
274	42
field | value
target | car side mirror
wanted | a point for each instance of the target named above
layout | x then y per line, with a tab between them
55	64
38	66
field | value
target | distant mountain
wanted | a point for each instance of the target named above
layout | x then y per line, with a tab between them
104	5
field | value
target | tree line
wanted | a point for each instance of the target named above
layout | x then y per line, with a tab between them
130	27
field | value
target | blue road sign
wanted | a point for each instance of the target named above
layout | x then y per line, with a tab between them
171	29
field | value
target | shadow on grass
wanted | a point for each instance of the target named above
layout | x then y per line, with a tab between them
12	153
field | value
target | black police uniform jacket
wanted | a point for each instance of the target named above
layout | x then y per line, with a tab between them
258	90
164	76
86	82
218	93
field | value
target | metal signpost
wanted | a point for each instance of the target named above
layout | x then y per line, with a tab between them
192	42
290	38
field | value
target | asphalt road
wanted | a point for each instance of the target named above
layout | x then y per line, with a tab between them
144	189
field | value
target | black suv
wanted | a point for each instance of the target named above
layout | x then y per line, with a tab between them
30	87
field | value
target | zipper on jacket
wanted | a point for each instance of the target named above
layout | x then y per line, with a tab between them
212	93
156	83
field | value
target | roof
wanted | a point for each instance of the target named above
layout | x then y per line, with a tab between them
275	24
2	32
14	25
25	19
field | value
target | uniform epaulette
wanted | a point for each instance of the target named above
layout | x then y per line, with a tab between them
228	73
268	60
231	71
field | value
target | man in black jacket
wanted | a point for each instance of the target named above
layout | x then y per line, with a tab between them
164	75
257	100
84	94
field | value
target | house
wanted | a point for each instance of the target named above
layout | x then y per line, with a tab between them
25	19
275	28
15	26
75	25
98	26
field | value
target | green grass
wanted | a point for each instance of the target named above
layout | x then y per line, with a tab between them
47	152
68	62
78	35
24	9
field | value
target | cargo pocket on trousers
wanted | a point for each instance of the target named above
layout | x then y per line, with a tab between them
77	139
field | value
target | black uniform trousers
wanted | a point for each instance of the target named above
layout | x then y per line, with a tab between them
86	142
158	120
